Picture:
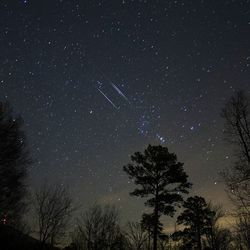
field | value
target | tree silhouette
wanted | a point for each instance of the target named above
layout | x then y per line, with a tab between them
243	230
14	161
236	114
216	236
53	208
161	178
136	236
198	218
98	229
147	223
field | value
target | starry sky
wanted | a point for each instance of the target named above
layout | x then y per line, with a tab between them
96	81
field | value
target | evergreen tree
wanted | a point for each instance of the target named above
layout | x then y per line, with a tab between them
197	217
159	176
147	223
14	160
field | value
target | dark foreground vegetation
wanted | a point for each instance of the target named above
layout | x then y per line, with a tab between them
158	177
13	239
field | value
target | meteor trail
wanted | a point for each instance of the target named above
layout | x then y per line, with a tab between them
119	92
113	85
108	99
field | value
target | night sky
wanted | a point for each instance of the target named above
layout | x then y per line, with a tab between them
96	81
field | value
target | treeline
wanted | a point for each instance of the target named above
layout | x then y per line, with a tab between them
157	176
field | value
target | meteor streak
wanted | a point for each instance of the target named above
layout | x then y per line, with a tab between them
119	92
108	99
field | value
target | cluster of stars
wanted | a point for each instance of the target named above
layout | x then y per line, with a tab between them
97	81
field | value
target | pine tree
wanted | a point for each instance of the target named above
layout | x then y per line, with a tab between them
197	217
161	178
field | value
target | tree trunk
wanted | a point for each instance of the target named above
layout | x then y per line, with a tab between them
155	230
155	236
199	239
149	237
214	245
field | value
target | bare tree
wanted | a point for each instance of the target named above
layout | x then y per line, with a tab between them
243	230
216	236
53	208
98	229
136	236
237	132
